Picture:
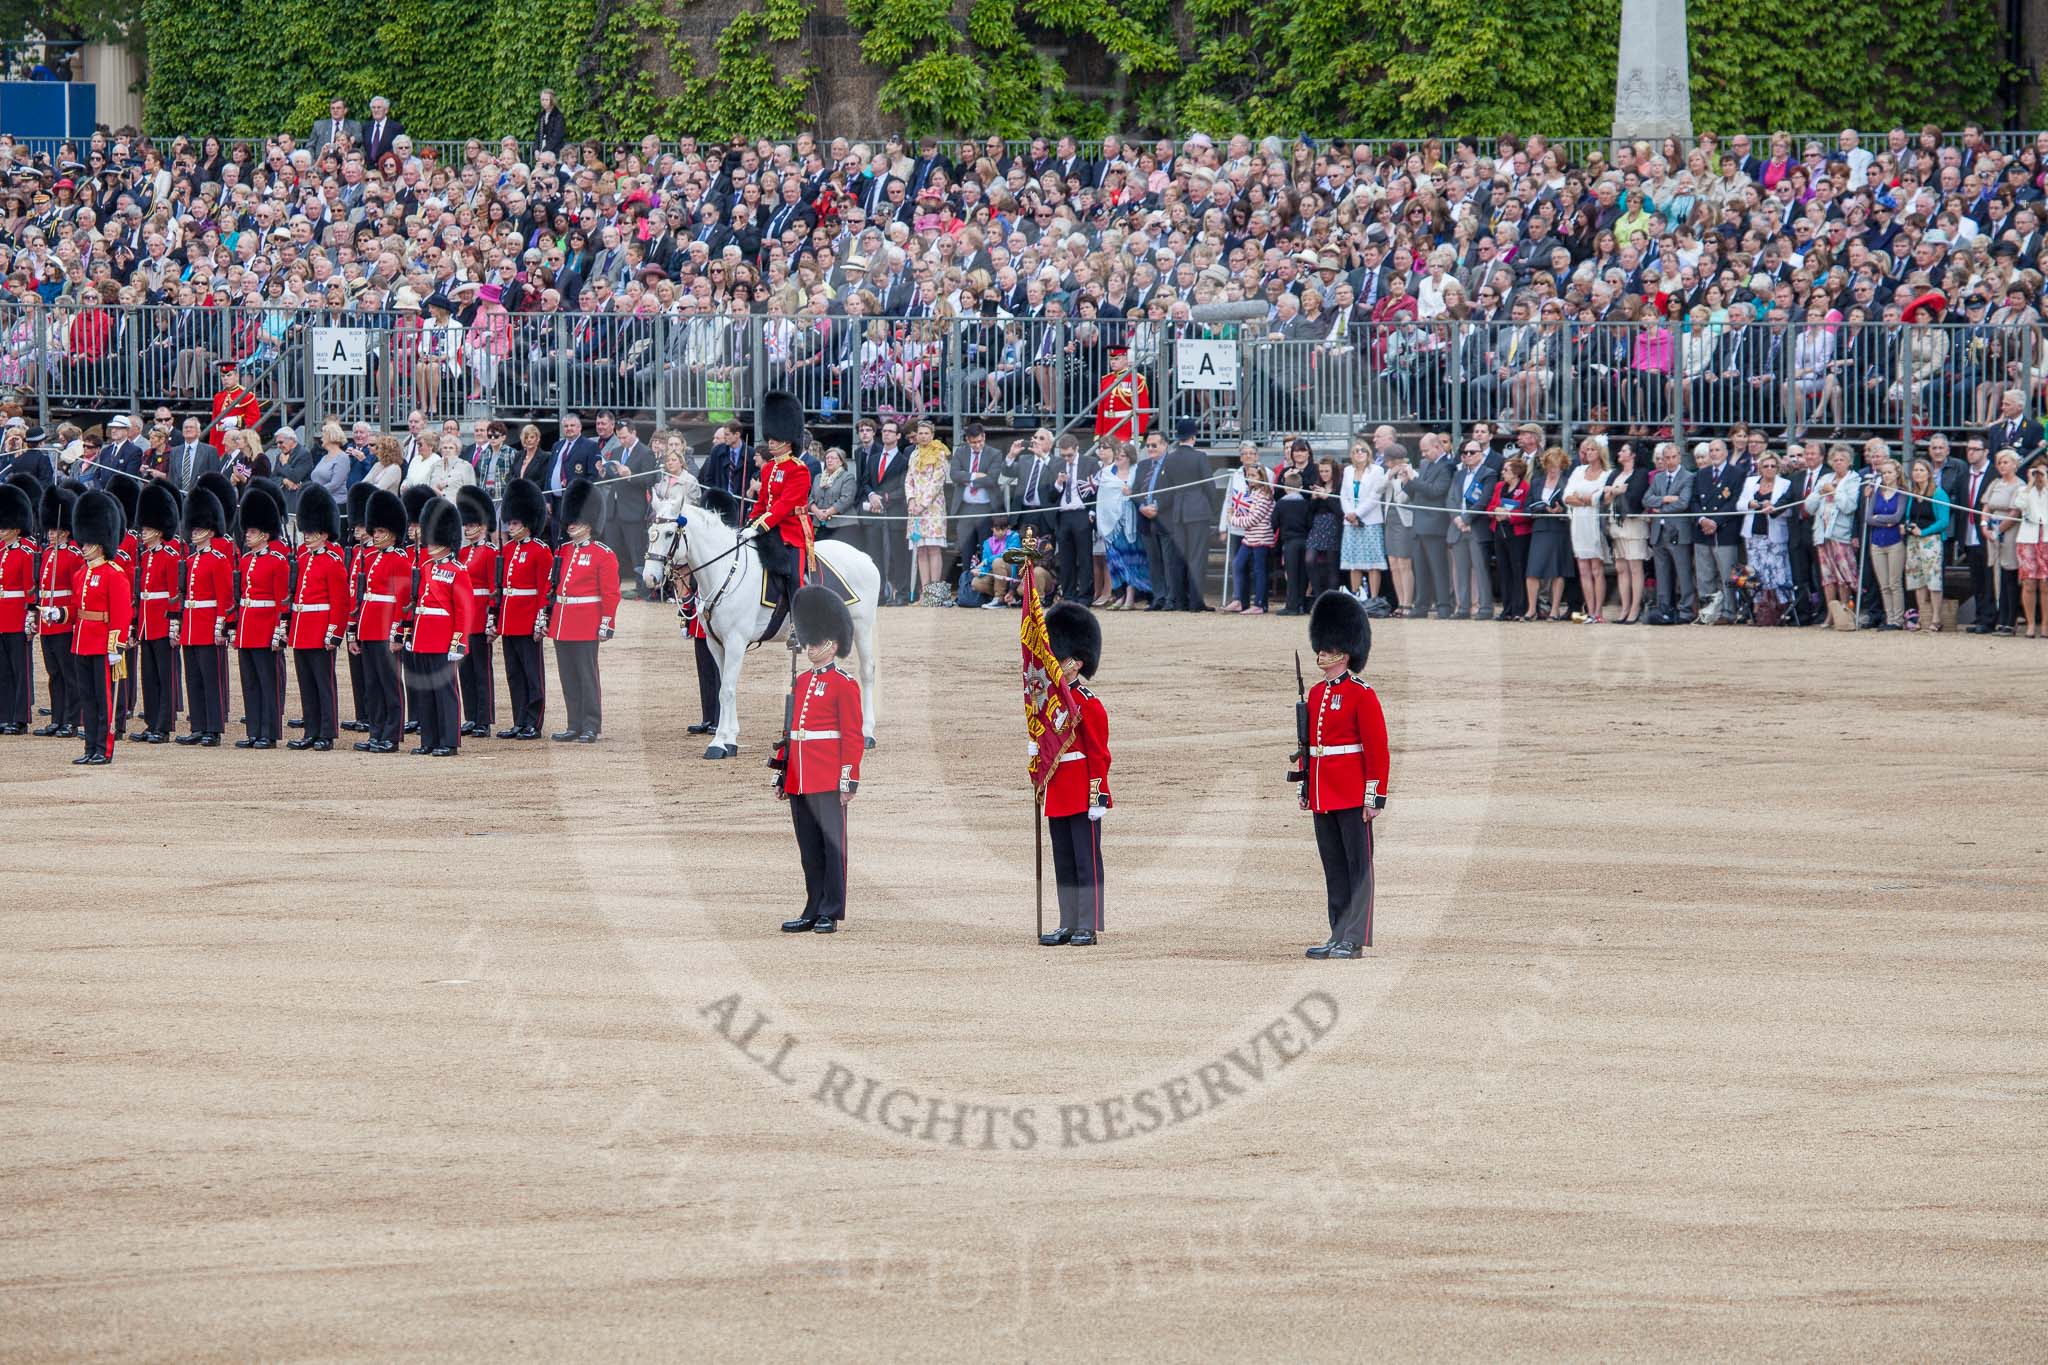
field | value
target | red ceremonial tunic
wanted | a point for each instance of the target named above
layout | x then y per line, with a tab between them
1347	738
785	502
235	402
387	591
209	594
480	561
529	567
1120	412
1085	763
106	608
61	569
320	605
17	585
587	593
162	572
825	740
266	596
448	609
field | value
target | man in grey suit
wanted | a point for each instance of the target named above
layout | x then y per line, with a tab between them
1428	490
1671	537
1470	533
336	125
972	496
1189	512
190	457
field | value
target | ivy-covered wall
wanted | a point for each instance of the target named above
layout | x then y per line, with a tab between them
460	68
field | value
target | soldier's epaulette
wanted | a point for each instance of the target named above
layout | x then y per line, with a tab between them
1083	691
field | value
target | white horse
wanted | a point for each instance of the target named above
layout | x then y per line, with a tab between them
722	567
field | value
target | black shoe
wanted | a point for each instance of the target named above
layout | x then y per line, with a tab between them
1054	940
321	746
356	727
1974	630
1083	938
699	729
265	744
419	751
47	731
139	737
563	736
1343	950
365	746
155	737
1322	950
526	732
70	732
383	746
825	926
209	741
83	760
13	729
587	737
296	724
245	743
802	925
511	732
298	745
1157	606
443	752
412	727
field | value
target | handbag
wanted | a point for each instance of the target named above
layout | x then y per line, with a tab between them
718	405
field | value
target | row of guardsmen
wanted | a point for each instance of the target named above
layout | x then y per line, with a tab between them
136	597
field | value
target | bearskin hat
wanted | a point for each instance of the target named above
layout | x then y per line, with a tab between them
97	520
1338	621
386	513
415	499
525	504
318	515
203	512
475	508
55	513
576	503
780	418
440	525
157	510
128	493
816	615
359	506
17	513
260	512
1073	633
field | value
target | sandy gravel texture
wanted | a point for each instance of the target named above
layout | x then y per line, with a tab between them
1704	1017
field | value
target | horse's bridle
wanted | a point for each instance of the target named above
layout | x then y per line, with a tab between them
686	576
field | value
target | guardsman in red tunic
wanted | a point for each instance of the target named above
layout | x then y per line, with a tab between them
447	616
56	597
415	499
1344	773
781	520
160	584
357	556
205	611
232	401
128	493
17	607
380	607
820	757
479	560
1123	402
320	606
586	603
260	624
1078	796
106	609
526	572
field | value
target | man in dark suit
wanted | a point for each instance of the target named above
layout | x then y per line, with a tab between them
574	457
725	471
1802	468
972	495
2012	431
191	457
1190	512
1146	477
121	459
631	460
33	461
879	493
1430	489
382	131
1976	554
1032	473
1074	522
1470	532
336	125
1948	477
1716	484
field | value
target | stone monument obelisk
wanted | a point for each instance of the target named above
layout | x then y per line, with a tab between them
1653	81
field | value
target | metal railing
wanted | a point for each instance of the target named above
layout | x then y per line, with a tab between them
1257	382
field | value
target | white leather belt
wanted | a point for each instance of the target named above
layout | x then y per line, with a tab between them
251	602
207	603
1071	757
11	596
1333	750
578	601
813	734
522	592
431	611
158	596
313	606
377	597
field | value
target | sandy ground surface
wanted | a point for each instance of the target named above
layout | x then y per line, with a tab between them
1705	1017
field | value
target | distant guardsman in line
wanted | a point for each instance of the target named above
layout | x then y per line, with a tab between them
128	493
357	556
479	560
415	499
443	622
104	610
581	617
380	607
159	600
820	762
260	626
320	604
17	608
526	571
205	617
1078	796
55	595
1344	775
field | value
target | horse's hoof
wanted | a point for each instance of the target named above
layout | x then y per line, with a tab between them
868	743
732	751
718	751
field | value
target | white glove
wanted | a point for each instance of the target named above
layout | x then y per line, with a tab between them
333	638
220	632
1097	812
457	651
540	626
52	615
277	637
173	637
605	633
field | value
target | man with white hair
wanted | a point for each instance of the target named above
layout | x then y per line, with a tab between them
383	131
1717	546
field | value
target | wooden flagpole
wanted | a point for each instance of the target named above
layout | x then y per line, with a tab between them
1038	851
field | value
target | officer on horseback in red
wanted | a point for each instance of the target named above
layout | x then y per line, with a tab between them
781	519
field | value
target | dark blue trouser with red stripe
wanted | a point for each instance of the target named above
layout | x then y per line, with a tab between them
1344	840
95	679
820	822
1077	870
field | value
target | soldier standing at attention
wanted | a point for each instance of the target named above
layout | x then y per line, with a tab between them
319	615
447	616
479	560
386	591
206	609
358	555
105	608
415	499
128	493
585	605
160	577
260	619
62	564
526	569
1344	774
1078	795
17	607
821	760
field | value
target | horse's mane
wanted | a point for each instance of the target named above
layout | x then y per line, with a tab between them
724	504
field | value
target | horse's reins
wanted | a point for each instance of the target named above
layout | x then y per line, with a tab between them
688	573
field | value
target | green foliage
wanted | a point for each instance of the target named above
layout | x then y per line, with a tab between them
459	68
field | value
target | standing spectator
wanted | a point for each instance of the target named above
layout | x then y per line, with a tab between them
1362	498
1429	498
1116	519
336	126
924	496
881	498
1886	515
1629	530
832	497
1256	537
1832	505
1927	519
2000	525
1582	494
551	130
1764	536
1470	534
1293	515
331	470
2031	550
1508	510
1550	537
1397	519
1717	543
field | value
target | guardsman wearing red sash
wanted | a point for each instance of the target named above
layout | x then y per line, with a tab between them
526	572
820	757
319	617
380	607
1121	409
56	598
105	610
205	612
160	583
357	556
232	401
581	617
781	520
259	624
17	607
479	559
1078	795
447	616
1345	777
